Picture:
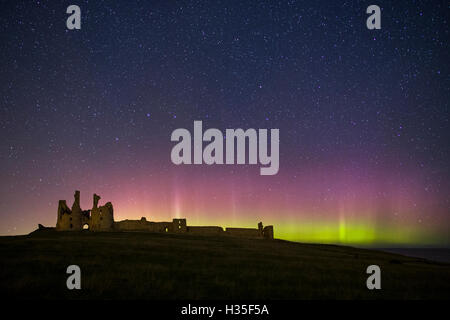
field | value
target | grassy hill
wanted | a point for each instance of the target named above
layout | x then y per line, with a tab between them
170	266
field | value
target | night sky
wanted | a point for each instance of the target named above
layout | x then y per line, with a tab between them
363	114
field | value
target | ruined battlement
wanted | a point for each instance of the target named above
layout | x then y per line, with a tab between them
101	218
97	219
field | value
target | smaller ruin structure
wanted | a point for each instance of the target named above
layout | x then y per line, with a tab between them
101	218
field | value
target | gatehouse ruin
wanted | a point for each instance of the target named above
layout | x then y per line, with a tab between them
101	218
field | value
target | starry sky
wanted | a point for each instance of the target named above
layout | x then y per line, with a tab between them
363	114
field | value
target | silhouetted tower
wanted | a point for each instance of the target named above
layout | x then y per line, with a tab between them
102	218
69	220
260	228
179	225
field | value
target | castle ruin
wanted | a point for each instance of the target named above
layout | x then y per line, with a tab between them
101	218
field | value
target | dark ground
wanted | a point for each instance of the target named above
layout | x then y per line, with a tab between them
169	266
433	254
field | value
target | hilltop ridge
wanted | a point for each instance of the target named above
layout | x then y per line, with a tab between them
142	265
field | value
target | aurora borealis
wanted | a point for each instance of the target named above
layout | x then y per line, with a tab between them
363	115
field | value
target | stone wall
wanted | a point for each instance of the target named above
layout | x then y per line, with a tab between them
244	232
144	225
132	225
212	230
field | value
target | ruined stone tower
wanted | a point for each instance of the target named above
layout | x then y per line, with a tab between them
179	225
70	219
99	218
102	218
64	219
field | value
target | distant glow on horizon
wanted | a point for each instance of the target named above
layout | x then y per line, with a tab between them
351	210
356	234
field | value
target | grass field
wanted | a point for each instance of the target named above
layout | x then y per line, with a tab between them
170	266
